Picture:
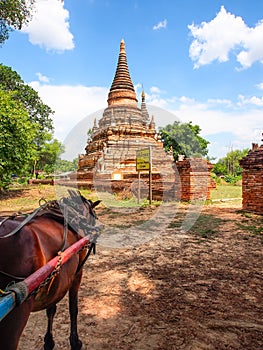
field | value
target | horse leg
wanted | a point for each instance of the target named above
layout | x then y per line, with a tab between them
75	343
12	326
48	340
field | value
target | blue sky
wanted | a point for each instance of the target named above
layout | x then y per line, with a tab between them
201	60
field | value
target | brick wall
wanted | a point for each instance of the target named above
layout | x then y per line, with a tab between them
252	180
193	179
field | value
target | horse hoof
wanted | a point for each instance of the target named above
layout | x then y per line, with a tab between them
49	343
77	346
75	343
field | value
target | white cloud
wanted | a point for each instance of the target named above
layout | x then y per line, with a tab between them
186	100
160	25
71	104
217	102
154	97
260	86
241	123
254	100
75	106
233	123
49	27
253	51
226	33
137	86
155	89
158	102
232	130
42	78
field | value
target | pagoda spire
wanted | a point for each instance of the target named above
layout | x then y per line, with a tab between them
145	113
122	90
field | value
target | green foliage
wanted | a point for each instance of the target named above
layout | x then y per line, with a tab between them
220	169
49	154
38	112
184	138
13	15
16	136
63	165
216	178
229	165
232	179
46	150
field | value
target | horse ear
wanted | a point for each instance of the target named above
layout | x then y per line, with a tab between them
94	204
72	193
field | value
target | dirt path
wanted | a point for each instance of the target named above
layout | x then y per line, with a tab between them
199	289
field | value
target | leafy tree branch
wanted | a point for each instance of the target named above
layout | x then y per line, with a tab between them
184	138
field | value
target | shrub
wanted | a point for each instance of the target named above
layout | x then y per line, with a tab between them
232	179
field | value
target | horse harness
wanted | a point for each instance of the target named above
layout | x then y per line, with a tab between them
63	211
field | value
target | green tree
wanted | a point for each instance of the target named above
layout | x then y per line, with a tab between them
64	165
16	136
38	112
184	139
229	165
13	15
220	168
48	155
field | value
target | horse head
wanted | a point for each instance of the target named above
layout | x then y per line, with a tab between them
85	216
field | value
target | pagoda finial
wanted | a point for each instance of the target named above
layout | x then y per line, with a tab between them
94	125
145	113
143	94
122	46
122	90
152	123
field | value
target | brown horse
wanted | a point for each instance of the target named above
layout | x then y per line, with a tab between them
24	248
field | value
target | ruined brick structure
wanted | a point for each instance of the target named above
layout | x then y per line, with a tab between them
194	180
252	180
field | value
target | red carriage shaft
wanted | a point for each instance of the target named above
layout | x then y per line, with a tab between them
23	289
34	280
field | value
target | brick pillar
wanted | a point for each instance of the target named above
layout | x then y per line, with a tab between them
193	179
252	180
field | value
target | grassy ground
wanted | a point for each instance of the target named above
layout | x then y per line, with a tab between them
26	198
226	191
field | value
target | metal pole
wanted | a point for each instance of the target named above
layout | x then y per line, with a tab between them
139	186
150	176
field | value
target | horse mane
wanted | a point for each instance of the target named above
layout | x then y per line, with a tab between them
63	211
66	211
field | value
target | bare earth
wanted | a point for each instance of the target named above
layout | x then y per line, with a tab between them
184	289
